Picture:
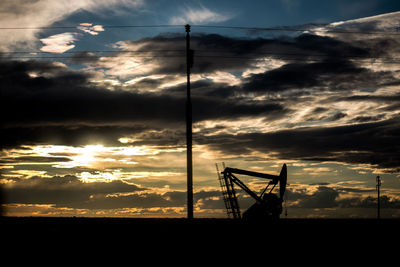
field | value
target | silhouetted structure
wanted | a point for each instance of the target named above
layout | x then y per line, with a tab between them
378	187
189	161
268	206
229	195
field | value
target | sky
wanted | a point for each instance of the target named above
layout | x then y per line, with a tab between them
93	111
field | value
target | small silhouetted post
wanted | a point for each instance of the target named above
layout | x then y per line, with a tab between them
189	63
378	186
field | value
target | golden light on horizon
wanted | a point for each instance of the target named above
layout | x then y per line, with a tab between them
92	163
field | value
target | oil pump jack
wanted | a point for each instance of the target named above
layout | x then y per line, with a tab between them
268	206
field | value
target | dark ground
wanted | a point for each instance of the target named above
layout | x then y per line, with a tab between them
168	240
42	241
80	227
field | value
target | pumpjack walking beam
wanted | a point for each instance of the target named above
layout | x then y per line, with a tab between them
281	178
235	180
269	203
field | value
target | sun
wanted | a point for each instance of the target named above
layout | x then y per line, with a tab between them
88	155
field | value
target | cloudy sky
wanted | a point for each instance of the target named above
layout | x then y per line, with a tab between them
93	117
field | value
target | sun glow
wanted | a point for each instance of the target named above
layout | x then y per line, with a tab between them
90	155
91	163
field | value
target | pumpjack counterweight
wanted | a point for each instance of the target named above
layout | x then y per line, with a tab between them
268	206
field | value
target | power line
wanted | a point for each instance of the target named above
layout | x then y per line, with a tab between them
103	26
282	28
304	58
93	51
90	53
200	53
89	57
290	29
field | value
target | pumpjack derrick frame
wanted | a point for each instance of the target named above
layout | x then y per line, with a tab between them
268	205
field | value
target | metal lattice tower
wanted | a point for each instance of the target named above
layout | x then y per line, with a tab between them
229	195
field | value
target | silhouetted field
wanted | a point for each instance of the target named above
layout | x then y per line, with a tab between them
81	227
202	239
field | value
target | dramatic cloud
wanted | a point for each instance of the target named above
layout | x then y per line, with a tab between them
90	28
332	196
35	159
70	192
213	52
268	65
109	132
386	22
62	191
56	96
198	16
59	43
62	42
42	13
371	143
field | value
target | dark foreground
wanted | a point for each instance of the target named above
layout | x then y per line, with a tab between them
79	228
201	241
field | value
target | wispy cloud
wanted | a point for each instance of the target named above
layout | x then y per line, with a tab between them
90	28
59	43
312	100
199	15
42	13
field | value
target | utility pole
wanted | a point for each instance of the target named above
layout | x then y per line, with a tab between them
189	161
378	186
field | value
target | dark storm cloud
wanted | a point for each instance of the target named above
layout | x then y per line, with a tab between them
170	50
324	197
145	200
329	197
35	159
372	98
369	202
63	107
204	88
363	119
311	61
70	192
325	46
369	143
70	97
215	52
83	57
67	135
205	108
329	75
300	75
62	191
57	105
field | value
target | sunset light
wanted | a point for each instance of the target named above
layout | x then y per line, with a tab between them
106	106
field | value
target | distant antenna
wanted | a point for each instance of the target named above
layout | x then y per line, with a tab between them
378	187
286	212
